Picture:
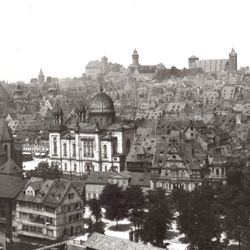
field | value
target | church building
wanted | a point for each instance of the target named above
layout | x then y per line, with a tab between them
96	142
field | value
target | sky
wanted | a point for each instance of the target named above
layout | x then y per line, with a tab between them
62	36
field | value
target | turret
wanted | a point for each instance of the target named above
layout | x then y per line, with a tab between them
41	77
135	58
81	113
232	60
58	115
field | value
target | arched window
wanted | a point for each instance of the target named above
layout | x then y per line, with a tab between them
5	148
128	144
217	171
64	149
74	150
222	171
55	146
105	151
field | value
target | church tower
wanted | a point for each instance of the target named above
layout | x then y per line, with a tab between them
135	58
232	61
41	77
58	115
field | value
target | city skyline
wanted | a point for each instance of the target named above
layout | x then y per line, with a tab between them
61	37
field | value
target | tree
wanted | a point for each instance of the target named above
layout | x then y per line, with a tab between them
135	202
158	218
43	170
113	200
199	218
235	204
97	227
96	209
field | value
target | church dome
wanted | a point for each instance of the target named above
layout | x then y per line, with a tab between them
101	103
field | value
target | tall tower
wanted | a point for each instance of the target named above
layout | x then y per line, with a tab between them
135	58
232	60
104	62
192	62
41	77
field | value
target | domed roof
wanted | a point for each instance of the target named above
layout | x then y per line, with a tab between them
101	103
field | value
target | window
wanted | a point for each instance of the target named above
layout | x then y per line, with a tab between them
222	171
217	171
6	149
55	146
74	150
70	196
64	149
105	151
65	166
75	167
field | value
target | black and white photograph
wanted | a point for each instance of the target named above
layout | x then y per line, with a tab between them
124	125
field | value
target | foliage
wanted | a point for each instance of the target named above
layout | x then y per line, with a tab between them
135	202
43	170
158	218
96	210
113	200
235	204
199	217
97	227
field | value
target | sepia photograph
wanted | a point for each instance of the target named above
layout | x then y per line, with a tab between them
124	125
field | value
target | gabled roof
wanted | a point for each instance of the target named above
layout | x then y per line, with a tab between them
10	168
5	134
4	96
10	186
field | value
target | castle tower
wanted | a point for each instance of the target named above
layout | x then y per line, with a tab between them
232	60
192	62
104	61
135	58
41	77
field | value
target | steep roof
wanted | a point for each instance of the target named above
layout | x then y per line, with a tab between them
10	168
4	96
10	186
5	134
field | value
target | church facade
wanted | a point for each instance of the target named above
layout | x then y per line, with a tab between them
96	142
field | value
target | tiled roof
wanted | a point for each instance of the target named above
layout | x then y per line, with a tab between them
99	177
10	168
5	134
10	186
103	242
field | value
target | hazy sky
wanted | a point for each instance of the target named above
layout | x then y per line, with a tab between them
62	36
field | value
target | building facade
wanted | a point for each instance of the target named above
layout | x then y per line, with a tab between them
214	65
95	143
49	209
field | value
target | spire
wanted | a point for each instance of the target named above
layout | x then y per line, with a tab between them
41	72
233	53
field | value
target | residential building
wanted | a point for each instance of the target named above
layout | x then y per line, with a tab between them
49	209
96	182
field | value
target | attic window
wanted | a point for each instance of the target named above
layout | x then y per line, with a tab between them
70	196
